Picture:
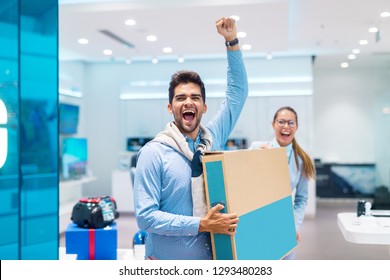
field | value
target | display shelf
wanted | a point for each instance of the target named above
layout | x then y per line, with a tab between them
82	180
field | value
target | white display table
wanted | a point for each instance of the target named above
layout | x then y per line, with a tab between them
122	254
364	229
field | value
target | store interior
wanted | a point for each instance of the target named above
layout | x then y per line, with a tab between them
111	105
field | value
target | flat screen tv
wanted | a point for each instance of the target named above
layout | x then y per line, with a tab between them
74	158
236	143
136	143
345	180
69	118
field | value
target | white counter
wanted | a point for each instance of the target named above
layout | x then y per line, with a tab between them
364	230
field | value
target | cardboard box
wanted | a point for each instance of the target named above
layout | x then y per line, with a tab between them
254	184
92	244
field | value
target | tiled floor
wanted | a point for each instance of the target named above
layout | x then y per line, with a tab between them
321	237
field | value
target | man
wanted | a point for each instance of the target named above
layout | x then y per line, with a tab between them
169	193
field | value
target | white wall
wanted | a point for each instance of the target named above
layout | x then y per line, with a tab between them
349	126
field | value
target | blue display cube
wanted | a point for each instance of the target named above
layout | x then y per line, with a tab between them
92	244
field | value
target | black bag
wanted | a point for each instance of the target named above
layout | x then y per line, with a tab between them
94	212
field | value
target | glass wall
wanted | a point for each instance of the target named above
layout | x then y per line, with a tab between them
29	129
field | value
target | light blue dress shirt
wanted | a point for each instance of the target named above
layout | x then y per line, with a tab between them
162	185
299	182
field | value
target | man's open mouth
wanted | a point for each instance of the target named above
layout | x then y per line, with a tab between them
188	115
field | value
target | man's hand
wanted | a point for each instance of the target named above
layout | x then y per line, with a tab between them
227	28
217	222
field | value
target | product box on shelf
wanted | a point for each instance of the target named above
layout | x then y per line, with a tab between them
254	184
92	244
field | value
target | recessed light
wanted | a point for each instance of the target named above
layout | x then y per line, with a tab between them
373	29
344	65
269	56
107	52
385	14
236	18
128	61
130	22
151	38
241	34
154	60
167	50
363	42
246	47
355	51
180	59
83	41
351	56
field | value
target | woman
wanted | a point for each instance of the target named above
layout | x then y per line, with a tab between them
301	168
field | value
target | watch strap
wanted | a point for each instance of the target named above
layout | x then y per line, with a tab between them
231	43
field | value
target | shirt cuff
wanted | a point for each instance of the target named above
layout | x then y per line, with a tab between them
192	228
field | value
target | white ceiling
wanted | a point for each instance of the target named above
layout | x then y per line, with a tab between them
323	28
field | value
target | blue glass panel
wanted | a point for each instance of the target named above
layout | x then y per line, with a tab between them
9	111
39	129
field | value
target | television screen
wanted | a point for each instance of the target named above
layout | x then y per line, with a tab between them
74	158
135	144
345	180
235	144
69	118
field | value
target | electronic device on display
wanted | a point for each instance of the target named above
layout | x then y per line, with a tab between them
94	212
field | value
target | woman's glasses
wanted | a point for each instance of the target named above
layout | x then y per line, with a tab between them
291	123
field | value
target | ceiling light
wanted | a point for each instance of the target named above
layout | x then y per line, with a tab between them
107	52
344	65
363	42
355	51
351	56
180	59
386	110
151	38
373	29
154	60
83	41
269	56
385	14
167	50
246	47
236	18
130	22
128	61
241	34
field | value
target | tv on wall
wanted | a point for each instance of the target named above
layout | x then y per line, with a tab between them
136	143
74	158
236	143
345	180
69	118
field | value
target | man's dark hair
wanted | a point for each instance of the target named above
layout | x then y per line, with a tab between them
185	77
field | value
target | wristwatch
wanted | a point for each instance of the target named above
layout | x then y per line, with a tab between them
231	43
